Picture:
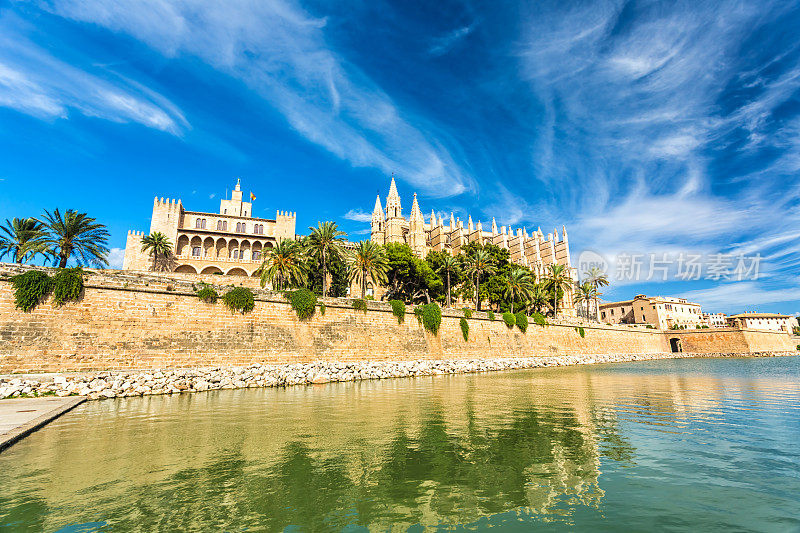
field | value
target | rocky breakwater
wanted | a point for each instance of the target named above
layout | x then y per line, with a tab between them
103	385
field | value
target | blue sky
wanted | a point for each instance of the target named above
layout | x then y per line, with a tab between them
644	127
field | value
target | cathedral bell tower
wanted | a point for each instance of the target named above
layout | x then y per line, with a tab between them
378	223
394	215
416	230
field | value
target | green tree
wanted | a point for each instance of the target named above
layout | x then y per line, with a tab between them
157	244
76	234
22	239
284	266
337	272
585	296
538	298
368	260
557	279
410	278
597	278
519	283
448	268
478	264
323	242
493	286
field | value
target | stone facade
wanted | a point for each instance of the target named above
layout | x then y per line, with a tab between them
128	320
230	242
766	321
535	251
662	312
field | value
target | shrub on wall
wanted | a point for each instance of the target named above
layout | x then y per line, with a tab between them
432	317
398	310
539	319
418	313
67	285
467	312
522	321
240	299
509	319
490	315
360	305
581	331
322	309
31	288
207	294
464	328
304	302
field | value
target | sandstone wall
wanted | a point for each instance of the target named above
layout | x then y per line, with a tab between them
126	321
732	340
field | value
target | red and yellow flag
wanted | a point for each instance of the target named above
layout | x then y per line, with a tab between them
252	196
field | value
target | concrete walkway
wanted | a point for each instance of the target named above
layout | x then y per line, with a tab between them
22	416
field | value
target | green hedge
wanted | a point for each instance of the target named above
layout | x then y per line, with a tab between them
432	317
207	294
539	318
30	289
467	312
360	305
522	321
304	302
418	313
67	285
322	309
464	328
240	299
581	331
509	319
490	315
398	310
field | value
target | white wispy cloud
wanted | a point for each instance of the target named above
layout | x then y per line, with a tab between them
444	44
281	52
35	82
635	101
115	257
357	215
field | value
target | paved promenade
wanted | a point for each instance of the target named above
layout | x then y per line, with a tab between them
19	417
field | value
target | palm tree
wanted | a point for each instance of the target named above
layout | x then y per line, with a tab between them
368	260
538	298
325	240
76	234
22	238
284	265
157	244
519	283
557	278
448	266
479	263
585	296
598	278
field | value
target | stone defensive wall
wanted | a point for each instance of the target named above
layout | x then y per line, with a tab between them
137	320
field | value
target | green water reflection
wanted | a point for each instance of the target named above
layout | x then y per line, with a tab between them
559	448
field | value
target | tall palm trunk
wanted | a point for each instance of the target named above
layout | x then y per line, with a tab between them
478	292
449	304
363	284
324	273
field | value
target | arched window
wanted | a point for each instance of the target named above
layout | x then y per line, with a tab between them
256	255
222	225
198	223
235	254
195	251
241	227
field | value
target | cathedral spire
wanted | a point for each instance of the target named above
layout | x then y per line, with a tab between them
470	226
452	222
416	214
378	211
494	226
393	208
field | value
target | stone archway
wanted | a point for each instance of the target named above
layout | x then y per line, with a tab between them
675	345
237	271
186	269
211	270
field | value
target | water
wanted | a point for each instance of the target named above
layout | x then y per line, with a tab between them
683	445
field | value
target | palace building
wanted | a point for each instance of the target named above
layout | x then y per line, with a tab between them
230	242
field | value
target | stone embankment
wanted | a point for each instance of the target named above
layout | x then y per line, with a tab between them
102	385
